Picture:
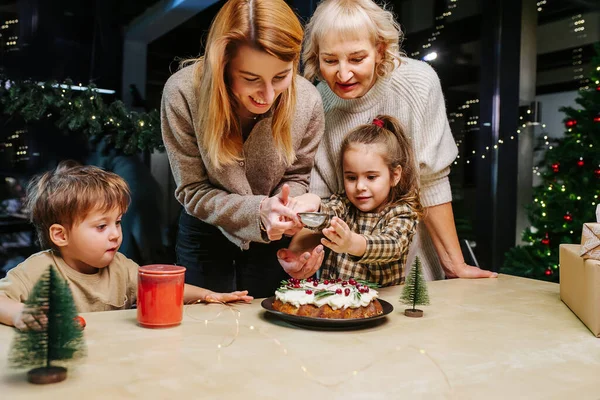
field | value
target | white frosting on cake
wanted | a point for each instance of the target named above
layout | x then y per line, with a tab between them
299	296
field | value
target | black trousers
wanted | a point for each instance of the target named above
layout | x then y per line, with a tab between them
214	263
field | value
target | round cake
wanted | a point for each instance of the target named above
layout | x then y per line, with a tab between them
333	299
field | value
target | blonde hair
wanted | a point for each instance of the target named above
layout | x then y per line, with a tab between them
396	151
69	193
348	19
267	25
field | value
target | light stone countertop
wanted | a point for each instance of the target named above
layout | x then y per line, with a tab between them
505	338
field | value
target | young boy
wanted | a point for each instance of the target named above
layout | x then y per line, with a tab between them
77	212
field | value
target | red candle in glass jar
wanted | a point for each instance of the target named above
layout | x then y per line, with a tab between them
160	295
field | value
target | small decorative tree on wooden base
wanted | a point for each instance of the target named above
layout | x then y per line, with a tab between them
415	291
59	337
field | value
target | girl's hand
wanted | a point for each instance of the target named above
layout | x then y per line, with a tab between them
215	297
277	217
338	236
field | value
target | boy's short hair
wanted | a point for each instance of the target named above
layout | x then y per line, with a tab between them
67	194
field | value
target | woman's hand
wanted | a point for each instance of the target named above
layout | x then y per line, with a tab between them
301	266
307	202
464	270
277	216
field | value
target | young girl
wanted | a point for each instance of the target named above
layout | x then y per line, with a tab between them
373	222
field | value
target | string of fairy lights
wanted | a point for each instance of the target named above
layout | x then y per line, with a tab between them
577	27
473	125
309	370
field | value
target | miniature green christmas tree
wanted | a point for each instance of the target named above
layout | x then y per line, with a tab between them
59	338
415	290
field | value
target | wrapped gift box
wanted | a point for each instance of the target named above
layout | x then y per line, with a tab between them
590	241
580	285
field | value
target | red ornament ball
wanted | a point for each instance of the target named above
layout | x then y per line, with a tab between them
597	118
79	319
597	173
568	217
546	240
555	167
570	123
580	163
548	272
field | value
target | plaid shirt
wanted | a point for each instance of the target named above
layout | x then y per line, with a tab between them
388	234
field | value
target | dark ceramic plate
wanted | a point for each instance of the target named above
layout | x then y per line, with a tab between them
324	323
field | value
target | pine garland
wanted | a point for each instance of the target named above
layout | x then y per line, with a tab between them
82	112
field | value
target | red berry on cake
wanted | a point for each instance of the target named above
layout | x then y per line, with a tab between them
308	291
352	282
338	291
347	291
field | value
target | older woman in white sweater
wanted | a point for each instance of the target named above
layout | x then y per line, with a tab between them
352	47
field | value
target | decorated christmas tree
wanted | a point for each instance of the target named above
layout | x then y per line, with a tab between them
415	290
58	337
568	194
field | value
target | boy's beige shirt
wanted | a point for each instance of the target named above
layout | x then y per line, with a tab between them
111	288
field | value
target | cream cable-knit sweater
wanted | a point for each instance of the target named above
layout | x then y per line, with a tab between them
412	94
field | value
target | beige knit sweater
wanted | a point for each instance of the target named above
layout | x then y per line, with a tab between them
230	197
412	94
113	287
